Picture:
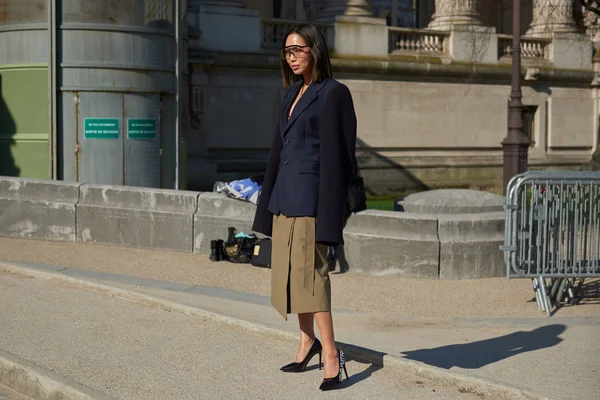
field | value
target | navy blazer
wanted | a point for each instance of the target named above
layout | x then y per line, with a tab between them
311	161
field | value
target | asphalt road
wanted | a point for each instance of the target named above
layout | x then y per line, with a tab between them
132	351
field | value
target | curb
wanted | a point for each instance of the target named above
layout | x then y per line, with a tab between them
467	383
40	384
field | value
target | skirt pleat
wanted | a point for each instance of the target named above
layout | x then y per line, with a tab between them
299	272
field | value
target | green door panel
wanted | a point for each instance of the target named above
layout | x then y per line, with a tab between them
24	121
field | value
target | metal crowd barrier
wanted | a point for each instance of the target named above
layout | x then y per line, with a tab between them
552	233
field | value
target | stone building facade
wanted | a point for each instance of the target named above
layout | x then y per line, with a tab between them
430	82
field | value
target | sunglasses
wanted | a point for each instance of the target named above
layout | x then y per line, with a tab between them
296	51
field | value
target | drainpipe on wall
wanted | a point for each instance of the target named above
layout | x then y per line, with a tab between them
178	92
52	114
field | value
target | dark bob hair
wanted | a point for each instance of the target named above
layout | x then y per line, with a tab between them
318	49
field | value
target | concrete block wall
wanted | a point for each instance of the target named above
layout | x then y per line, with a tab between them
392	243
377	242
137	217
43	210
469	245
216	213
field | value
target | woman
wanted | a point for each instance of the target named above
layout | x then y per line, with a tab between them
303	200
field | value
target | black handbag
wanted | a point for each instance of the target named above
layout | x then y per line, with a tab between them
357	197
262	253
238	250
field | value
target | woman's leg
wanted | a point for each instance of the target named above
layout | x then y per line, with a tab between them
330	353
307	335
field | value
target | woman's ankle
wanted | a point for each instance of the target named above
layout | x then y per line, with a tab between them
330	352
305	338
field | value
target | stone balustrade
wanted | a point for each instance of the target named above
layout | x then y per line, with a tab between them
414	41
532	49
455	36
456	33
407	41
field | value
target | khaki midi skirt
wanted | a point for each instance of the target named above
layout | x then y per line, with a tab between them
299	272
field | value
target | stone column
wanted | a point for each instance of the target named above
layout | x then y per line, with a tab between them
353	8
449	13
591	23
551	16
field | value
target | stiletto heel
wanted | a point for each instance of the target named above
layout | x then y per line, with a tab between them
316	348
330	383
320	362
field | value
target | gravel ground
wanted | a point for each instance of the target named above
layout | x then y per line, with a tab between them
493	297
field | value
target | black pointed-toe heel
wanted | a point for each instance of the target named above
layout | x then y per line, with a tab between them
330	383
316	348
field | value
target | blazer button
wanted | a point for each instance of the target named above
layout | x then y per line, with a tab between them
287	142
286	162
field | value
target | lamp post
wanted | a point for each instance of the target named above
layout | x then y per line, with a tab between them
594	6
515	145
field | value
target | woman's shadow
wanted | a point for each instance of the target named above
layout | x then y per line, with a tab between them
8	129
484	352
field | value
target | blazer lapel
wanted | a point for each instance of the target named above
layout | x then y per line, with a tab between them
286	106
306	100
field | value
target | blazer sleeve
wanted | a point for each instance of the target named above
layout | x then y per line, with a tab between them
263	219
337	135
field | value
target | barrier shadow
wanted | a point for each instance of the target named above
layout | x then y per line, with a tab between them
8	130
589	292
485	352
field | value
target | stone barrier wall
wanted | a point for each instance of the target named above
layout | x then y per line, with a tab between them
386	242
469	245
137	217
216	213
43	210
377	242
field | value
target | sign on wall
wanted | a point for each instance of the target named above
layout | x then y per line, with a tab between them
101	128
141	128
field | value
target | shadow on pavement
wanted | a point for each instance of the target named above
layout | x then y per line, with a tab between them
479	354
375	358
590	292
361	376
8	130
